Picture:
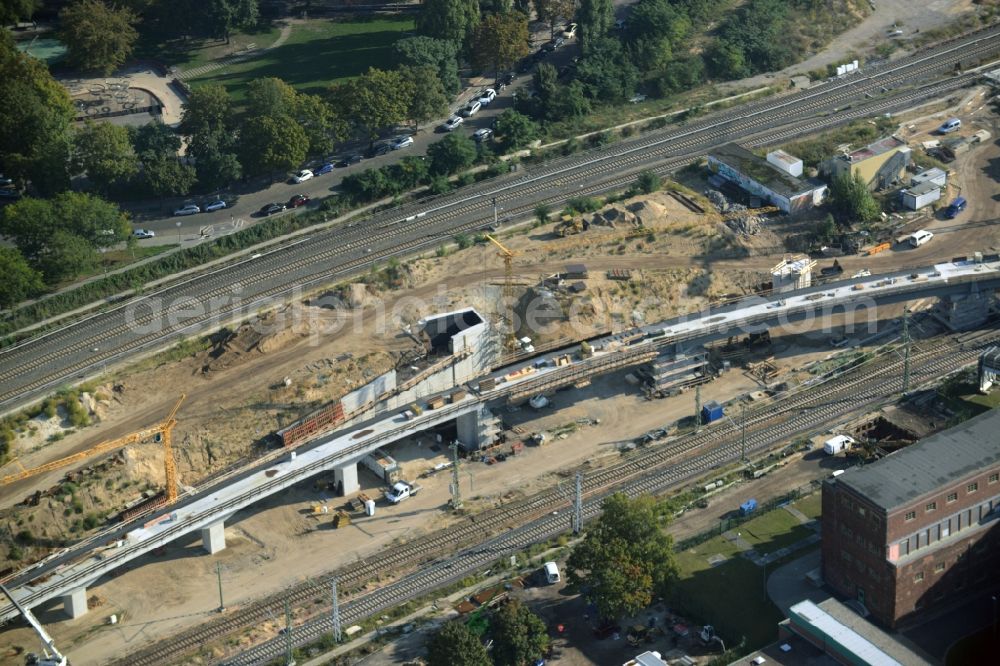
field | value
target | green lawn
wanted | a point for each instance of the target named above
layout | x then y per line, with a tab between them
773	530
190	53
318	53
810	505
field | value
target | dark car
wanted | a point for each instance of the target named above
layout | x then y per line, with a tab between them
298	200
348	161
379	149
271	209
325	168
507	78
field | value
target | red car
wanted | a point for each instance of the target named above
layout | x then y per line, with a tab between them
298	200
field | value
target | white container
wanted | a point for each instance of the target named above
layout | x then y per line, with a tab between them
370	507
788	163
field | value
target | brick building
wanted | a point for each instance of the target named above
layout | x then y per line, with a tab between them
920	527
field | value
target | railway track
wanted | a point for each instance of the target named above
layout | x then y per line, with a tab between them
209	299
645	470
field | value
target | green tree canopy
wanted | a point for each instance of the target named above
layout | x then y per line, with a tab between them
499	41
209	109
515	130
224	16
453	20
272	143
35	115
429	100
12	11
455	645
162	173
20	281
606	71
104	151
519	636
374	100
451	154
216	162
595	18
270	96
551	11
441	54
209	122
625	558
851	199
98	37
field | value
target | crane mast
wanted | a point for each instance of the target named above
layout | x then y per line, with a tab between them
52	655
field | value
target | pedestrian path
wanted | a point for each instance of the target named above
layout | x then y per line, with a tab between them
251	51
801	517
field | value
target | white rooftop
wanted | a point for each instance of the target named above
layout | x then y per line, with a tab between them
844	636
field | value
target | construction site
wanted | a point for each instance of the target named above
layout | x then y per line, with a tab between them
542	347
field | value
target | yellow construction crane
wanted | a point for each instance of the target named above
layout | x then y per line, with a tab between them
161	433
510	337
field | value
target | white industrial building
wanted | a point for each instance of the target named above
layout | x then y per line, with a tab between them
934	175
922	195
771	179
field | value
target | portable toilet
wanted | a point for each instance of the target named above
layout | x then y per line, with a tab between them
711	411
748	507
370	507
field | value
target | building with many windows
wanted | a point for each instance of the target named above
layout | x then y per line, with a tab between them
920	527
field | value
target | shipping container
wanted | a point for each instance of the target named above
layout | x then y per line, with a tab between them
382	465
711	411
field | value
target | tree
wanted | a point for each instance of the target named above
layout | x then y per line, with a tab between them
648	182
595	18
323	127
429	100
550	11
571	102
20	281
165	175
453	20
451	154
12	11
499	41
516	130
441	54
272	143
455	645
215	162
374	100
625	558
224	16
606	71
35	115
546	84
519	636
270	96
408	172
104	151
97	37
209	109
209	123
851	199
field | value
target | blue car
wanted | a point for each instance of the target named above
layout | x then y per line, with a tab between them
326	168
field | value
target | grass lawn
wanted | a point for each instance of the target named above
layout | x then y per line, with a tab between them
113	259
190	53
810	505
773	530
317	53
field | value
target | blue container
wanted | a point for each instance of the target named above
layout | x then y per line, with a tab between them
748	507
711	411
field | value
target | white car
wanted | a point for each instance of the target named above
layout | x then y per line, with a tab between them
401	142
486	96
482	134
570	31
302	176
215	205
472	109
452	123
189	209
143	233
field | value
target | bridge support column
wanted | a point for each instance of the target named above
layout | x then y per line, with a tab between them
75	602
346	479
965	311
213	537
476	429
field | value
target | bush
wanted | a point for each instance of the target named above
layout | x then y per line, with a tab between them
542	212
25	538
648	182
583	204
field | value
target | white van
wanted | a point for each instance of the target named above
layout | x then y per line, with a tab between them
551	573
950	126
835	445
921	237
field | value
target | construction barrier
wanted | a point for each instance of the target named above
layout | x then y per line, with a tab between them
879	248
326	418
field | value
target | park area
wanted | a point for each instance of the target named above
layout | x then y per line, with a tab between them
310	55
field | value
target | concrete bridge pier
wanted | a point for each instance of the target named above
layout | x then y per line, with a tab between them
966	311
345	478
213	537
75	602
477	429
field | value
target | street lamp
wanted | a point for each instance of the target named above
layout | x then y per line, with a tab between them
178	232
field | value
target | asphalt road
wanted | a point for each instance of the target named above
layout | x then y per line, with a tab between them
245	286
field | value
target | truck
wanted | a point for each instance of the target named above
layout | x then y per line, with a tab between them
835	445
400	491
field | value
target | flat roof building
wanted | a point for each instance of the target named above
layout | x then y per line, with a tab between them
918	528
762	178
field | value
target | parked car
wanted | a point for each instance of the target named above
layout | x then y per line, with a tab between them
486	96
298	200
401	142
9	193
218	204
302	176
482	135
570	31
143	233
548	48
379	149
472	109
949	126
190	209
452	123
348	161
271	209
506	78
326	168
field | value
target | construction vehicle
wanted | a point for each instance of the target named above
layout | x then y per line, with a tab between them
570	225
50	655
160	433
510	343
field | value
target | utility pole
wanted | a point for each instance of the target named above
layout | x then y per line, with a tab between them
218	573
289	659
906	351
697	408
494	213
456	492
578	505
335	610
743	429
